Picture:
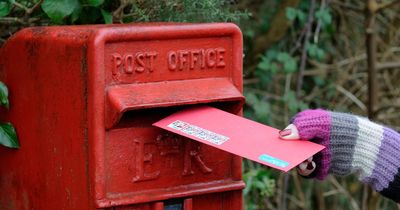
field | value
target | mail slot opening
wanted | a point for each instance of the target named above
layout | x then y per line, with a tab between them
121	99
146	117
174	204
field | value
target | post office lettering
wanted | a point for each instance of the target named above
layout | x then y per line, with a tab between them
196	59
130	63
176	60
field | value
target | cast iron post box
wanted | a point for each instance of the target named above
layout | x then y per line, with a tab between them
83	102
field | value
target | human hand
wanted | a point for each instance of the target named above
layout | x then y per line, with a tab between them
313	125
306	167
353	144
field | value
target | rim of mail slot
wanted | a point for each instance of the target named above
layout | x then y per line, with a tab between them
123	98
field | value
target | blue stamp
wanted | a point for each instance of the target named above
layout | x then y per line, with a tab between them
273	160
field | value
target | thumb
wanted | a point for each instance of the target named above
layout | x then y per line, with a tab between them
290	132
307	167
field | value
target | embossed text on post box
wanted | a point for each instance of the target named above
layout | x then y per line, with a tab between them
152	61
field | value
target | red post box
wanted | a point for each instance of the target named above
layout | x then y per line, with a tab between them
83	102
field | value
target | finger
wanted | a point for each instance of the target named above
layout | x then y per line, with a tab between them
306	169
290	132
305	163
303	166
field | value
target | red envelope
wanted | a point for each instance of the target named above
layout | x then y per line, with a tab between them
239	136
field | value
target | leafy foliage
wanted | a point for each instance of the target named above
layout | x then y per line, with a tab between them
315	52
8	137
4	95
260	182
294	13
109	11
5	8
58	10
324	16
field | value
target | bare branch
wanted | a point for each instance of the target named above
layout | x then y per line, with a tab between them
352	97
13	20
324	4
298	42
304	51
15	3
388	65
383	6
339	187
370	42
348	6
119	12
34	8
384	108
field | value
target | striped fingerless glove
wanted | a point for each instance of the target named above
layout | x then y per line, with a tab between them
353	145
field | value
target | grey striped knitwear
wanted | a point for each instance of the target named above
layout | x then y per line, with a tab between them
353	145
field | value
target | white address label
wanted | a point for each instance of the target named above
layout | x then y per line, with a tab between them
198	132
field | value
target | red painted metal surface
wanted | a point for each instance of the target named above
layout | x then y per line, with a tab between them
83	99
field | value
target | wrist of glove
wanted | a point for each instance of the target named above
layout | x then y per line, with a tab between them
353	145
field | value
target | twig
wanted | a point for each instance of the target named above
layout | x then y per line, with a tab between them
319	23
298	42
286	176
365	195
264	93
371	57
119	12
13	20
15	3
284	189
34	8
383	6
286	91
363	56
319	198
383	108
295	201
304	51
299	190
351	60
316	72
348	6
279	192
331	192
388	65
10	20
387	81
342	190
251	81
352	97
314	92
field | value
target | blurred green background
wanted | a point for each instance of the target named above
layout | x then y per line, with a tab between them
299	54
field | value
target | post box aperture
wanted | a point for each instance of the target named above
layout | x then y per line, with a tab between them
126	78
